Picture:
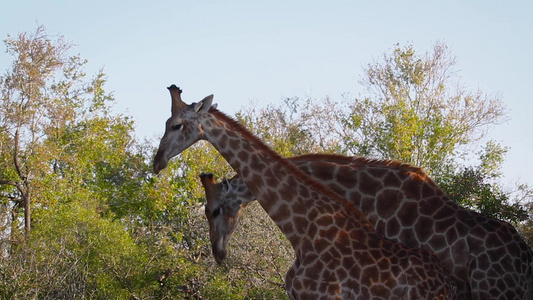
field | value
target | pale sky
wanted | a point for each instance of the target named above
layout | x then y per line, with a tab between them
267	50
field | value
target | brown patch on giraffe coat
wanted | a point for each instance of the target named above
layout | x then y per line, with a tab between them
443	211
256	163
384	263
377	172
341	220
286	191
324	220
438	241
424	228
346	179
243	156
269	173
336	188
297	285
247	148
392	228
301	224
341	273
321	244
312	230
391	180
223	141
245	172
272	196
411	189
371	275
314	268
287	228
303	193
330	233
283	212
334	289
369	185
321	171
343	243
465	218
365	259
379	289
409	213
348	263
451	235
271	181
368	205
427	191
429	205
257	178
313	215
355	198
299	207
387	203
217	132
309	256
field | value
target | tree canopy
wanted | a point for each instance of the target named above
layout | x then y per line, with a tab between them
417	110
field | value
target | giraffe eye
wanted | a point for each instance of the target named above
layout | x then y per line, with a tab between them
177	126
216	212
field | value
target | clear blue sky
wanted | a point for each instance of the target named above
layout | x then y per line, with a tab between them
267	50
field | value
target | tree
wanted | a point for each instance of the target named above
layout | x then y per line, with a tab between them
74	253
62	154
417	110
37	105
295	126
478	188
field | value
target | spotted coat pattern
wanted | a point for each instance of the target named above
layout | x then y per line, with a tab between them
338	253
487	257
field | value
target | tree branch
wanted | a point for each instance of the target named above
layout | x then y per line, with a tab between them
16	158
8	182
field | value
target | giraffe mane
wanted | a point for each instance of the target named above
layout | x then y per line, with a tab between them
364	161
359	160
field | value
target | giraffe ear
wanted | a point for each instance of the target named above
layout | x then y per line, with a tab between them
226	186
204	105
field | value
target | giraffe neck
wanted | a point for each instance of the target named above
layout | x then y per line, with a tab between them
282	189
258	165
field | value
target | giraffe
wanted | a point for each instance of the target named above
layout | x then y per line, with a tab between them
487	258
338	253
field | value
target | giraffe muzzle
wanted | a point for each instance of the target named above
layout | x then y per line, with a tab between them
219	249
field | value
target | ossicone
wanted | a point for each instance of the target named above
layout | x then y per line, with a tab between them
177	103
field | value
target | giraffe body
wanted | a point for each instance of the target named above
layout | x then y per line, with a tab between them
486	257
338	254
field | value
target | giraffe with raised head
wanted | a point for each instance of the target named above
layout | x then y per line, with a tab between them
338	253
487	258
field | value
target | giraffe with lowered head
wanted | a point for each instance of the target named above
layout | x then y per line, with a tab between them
487	258
338	253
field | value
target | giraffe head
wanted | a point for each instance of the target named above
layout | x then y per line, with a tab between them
223	210
182	129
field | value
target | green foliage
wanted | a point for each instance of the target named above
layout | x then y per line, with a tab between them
477	188
526	228
74	253
416	112
470	188
295	127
